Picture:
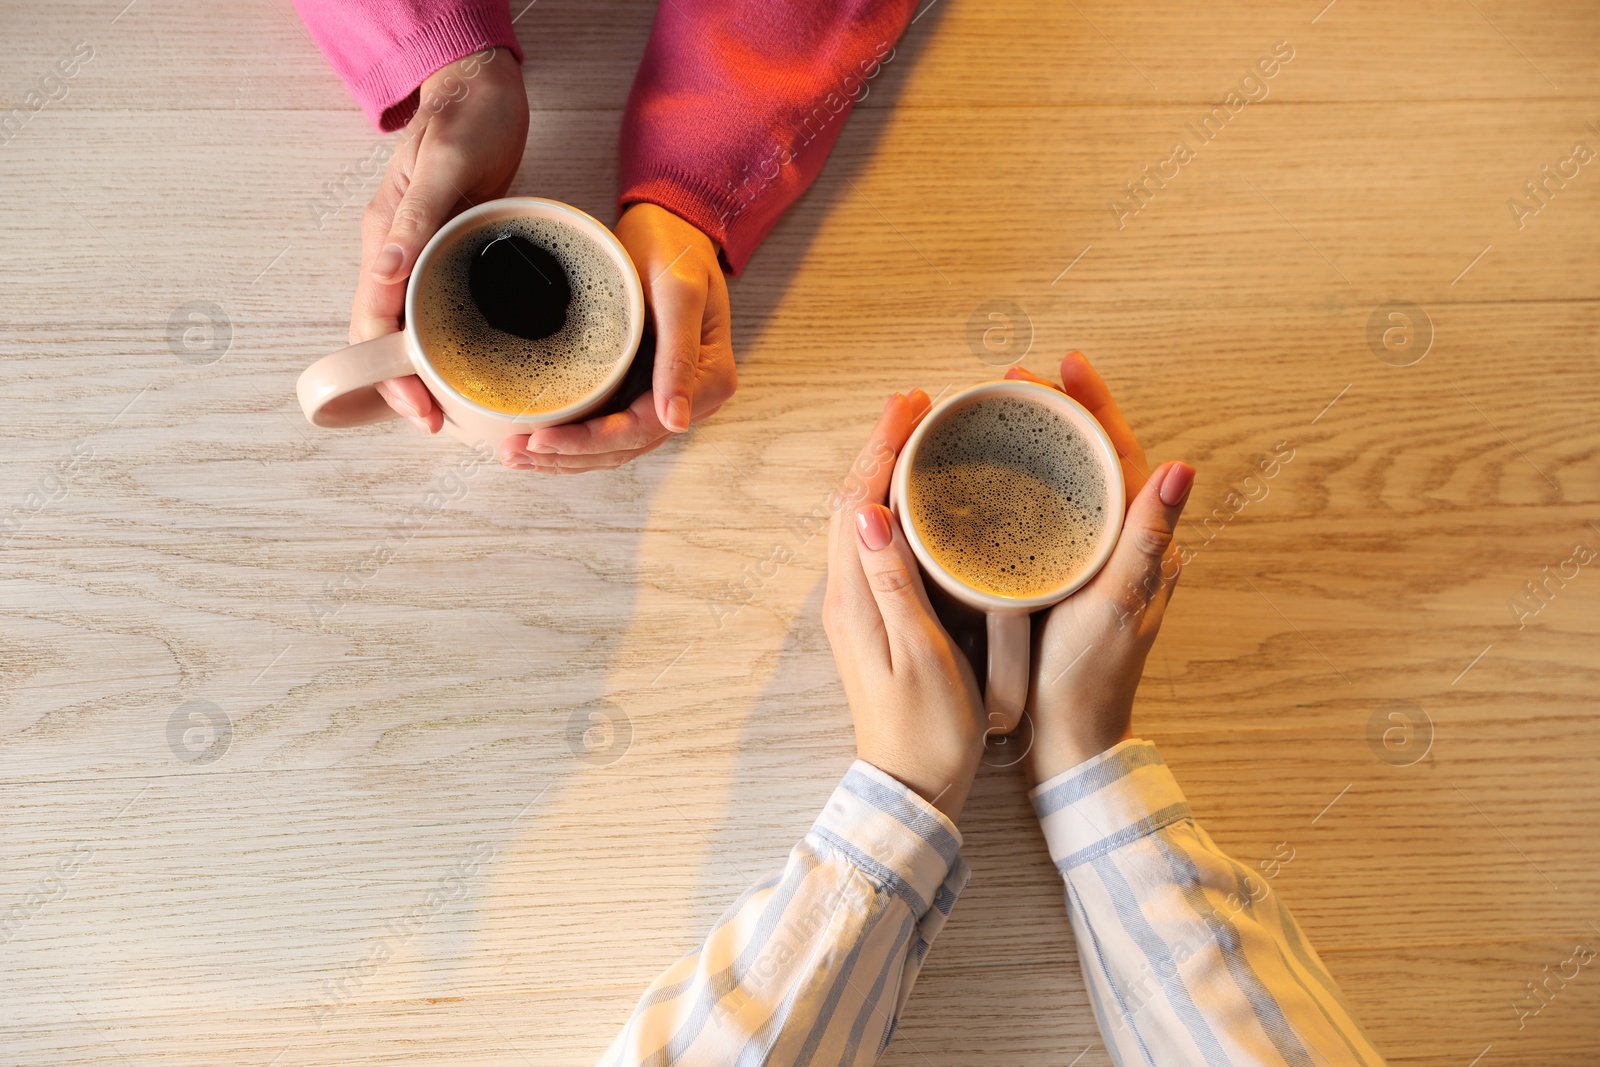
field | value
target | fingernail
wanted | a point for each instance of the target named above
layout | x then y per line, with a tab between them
917	397
1176	485
890	402
420	422
388	261
678	414
872	524
542	447
403	405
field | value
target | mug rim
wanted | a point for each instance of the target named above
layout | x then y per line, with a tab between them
1086	423
528	207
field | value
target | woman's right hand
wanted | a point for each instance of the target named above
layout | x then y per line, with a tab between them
462	148
1090	650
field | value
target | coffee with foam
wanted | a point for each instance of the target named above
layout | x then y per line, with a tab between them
489	320
1008	496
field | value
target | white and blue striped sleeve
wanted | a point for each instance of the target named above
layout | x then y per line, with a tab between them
812	966
1189	957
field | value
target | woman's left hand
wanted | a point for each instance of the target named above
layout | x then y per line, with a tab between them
694	373
912	694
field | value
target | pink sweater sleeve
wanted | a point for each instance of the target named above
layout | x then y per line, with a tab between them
738	102
384	49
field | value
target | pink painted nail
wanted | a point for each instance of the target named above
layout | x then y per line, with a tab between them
872	524
1176	485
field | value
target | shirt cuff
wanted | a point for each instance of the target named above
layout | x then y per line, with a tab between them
1119	796
893	835
698	203
390	91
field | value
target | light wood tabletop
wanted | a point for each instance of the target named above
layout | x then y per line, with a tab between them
317	748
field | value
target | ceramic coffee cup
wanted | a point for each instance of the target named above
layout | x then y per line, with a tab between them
340	390
1006	686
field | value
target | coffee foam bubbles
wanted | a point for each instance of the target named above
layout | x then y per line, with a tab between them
1008	496
512	374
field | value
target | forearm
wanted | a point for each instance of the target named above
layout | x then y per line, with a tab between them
383	50
737	104
815	962
1189	958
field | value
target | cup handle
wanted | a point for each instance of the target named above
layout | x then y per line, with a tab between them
338	391
1006	689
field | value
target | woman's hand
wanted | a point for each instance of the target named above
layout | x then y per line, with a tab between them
463	147
1090	650
694	374
912	694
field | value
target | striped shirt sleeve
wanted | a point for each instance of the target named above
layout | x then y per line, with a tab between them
813	965
1190	958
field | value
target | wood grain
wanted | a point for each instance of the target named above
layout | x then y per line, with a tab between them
176	527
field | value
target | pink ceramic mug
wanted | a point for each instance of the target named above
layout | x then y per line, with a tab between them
339	390
1010	635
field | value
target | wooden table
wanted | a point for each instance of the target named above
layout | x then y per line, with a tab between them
466	817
